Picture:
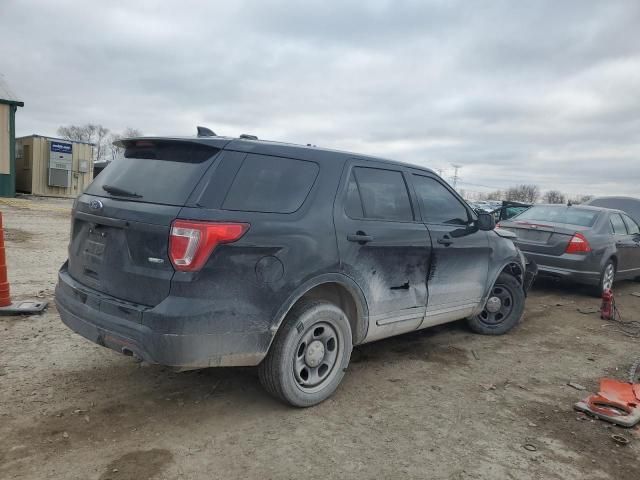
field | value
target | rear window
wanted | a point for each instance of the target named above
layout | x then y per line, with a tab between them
271	184
155	172
378	194
618	225
560	214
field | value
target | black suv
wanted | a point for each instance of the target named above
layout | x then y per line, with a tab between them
213	251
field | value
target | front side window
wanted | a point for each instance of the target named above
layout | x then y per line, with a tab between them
378	194
618	225
438	204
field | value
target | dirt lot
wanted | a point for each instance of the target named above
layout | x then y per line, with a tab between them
439	404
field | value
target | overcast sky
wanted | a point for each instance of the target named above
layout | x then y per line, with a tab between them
544	92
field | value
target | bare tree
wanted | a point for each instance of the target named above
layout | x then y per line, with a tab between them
89	133
116	151
581	199
554	196
131	133
523	193
497	195
99	136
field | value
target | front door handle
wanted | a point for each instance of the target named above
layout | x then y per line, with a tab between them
359	237
446	240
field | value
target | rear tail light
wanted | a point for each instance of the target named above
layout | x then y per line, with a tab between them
191	242
578	244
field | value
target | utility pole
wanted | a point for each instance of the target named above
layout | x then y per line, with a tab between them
455	174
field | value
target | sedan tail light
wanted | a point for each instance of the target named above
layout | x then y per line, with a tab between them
578	244
191	242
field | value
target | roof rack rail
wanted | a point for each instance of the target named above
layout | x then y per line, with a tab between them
205	132
246	136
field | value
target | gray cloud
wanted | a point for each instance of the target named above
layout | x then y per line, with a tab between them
545	92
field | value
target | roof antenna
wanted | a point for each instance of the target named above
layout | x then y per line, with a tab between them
205	132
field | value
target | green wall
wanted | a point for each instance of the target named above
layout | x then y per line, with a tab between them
8	182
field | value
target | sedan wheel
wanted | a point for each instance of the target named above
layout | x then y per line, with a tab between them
608	276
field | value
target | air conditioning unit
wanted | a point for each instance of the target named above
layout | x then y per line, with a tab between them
60	164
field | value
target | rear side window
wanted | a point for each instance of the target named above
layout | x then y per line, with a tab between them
353	203
618	225
632	226
559	214
155	171
378	194
438	204
271	184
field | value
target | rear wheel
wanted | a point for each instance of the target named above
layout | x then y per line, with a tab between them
503	309
607	277
309	355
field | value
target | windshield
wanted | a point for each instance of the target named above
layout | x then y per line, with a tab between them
559	214
155	172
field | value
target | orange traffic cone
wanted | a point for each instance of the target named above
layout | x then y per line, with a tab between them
7	307
5	298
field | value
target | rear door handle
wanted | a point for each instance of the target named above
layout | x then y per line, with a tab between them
359	237
446	240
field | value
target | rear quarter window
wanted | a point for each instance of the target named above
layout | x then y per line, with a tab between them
271	184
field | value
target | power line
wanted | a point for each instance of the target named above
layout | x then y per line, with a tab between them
481	185
455	174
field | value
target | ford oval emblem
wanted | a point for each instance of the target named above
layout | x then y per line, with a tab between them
96	204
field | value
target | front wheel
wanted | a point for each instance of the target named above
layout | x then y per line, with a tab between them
503	309
309	355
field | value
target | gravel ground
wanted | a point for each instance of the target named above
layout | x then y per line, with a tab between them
439	404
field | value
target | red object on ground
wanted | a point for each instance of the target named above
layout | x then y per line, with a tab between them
5	298
606	309
616	402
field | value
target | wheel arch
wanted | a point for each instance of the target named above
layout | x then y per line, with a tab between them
336	288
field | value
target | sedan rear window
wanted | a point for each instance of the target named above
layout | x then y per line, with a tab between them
560	214
155	172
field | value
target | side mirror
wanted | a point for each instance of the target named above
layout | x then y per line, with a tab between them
486	221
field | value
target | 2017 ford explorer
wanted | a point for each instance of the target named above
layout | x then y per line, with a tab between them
213	251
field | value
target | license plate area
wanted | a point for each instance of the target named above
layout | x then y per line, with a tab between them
532	235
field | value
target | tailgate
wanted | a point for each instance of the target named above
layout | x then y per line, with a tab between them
121	249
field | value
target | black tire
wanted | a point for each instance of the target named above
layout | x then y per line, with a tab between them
511	294
597	290
313	332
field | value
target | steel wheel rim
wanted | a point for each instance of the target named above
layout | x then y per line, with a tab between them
607	277
493	318
316	356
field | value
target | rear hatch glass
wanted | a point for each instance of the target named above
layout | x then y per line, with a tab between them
119	238
163	172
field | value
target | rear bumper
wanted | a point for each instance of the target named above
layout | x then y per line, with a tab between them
575	268
120	326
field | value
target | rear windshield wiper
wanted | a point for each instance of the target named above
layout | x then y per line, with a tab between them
120	191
